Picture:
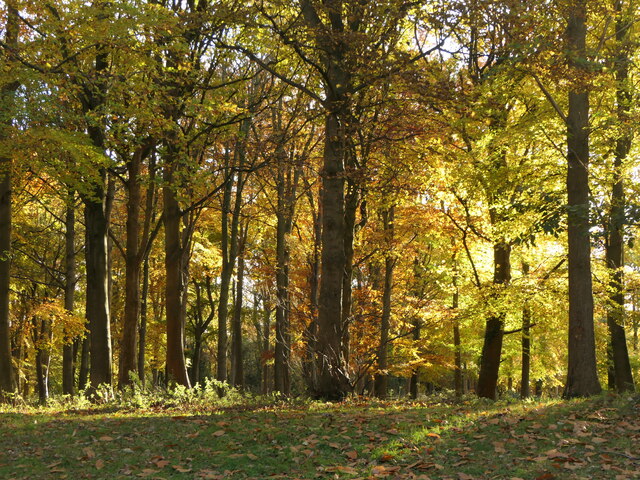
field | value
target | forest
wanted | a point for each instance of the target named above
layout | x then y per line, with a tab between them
322	198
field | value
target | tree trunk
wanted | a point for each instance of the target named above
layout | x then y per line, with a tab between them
176	367
620	367
494	330
68	353
582	377
266	328
351	206
382	377
229	242
457	345
413	382
333	383
236	343
143	320
7	93
128	345
284	216
97	308
525	381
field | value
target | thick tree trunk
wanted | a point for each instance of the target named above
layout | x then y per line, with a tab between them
7	93
582	377
97	308
620	367
494	330
333	383
68	349
176	367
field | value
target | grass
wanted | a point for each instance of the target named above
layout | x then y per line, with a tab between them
583	439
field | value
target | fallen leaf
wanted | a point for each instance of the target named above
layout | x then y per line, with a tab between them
99	464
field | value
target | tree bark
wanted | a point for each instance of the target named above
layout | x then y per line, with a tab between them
494	330
525	381
237	377
582	377
7	93
620	367
382	377
68	353
128	344
176	366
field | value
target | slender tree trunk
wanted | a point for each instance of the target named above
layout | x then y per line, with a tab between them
143	320
266	328
236	344
413	382
128	344
68	353
176	366
582	377
382	377
457	344
619	365
284	216
311	330
229	242
351	206
525	381
7	94
494	330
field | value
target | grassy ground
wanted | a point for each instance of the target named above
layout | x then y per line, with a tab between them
589	439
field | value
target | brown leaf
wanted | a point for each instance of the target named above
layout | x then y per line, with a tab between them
352	455
218	433
88	452
99	464
106	438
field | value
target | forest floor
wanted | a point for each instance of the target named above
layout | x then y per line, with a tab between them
581	439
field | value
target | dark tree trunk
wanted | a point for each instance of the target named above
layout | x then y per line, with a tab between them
286	183
351	206
494	330
229	242
68	350
457	345
582	377
311	330
620	375
97	308
526	344
266	347
382	377
128	345
176	367
7	93
237	376
413	381
142	344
